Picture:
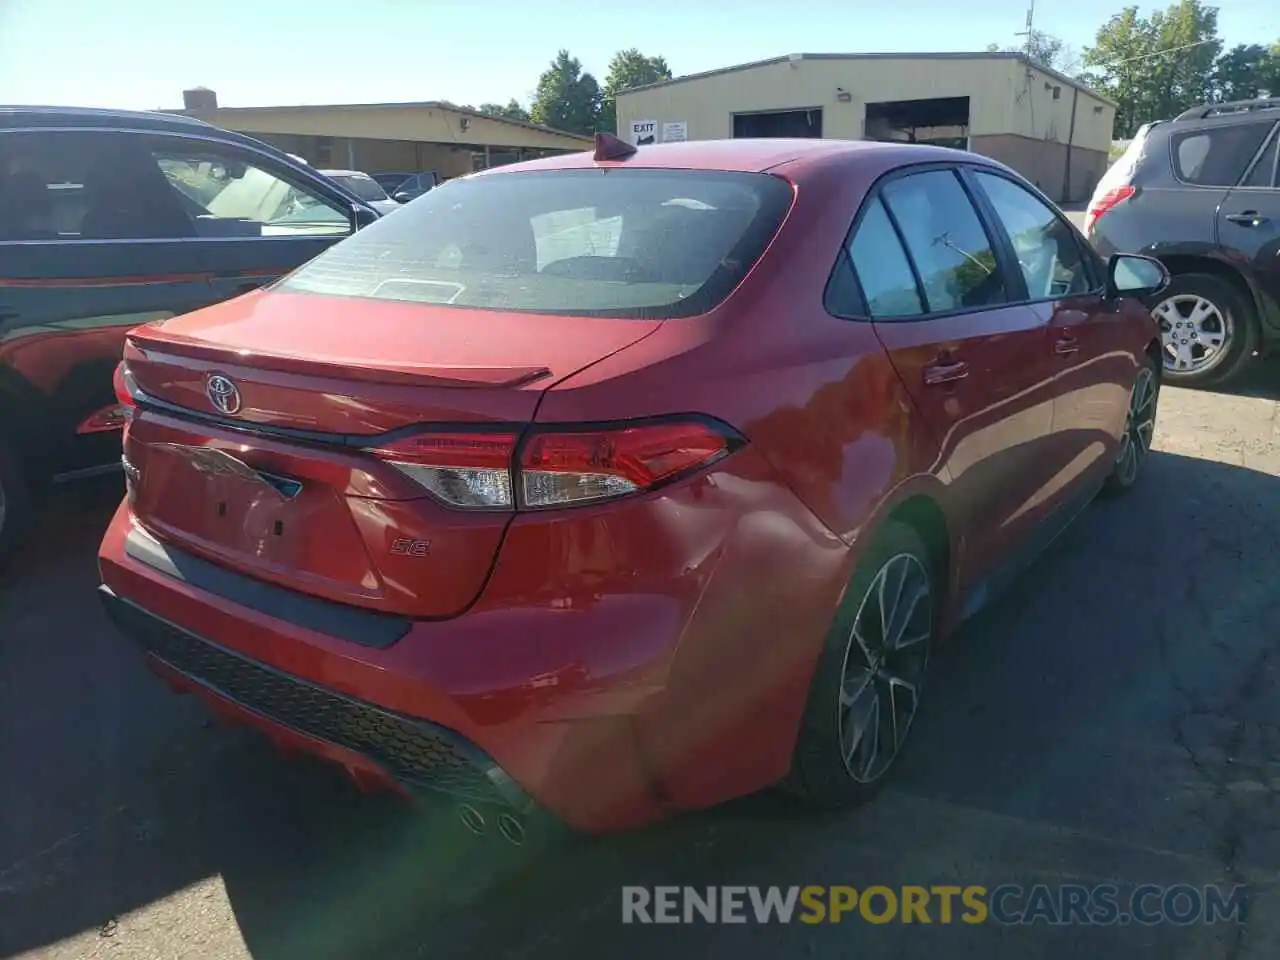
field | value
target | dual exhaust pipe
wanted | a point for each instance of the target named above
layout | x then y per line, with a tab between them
507	824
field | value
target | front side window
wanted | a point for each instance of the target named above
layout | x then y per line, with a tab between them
882	268
946	240
1048	254
227	193
1218	156
625	243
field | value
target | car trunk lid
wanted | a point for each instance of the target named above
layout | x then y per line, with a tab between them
281	484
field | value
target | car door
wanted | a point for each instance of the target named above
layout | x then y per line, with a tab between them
255	218
944	303
91	245
1092	358
1249	217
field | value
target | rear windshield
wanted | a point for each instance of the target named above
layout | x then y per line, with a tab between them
619	243
366	188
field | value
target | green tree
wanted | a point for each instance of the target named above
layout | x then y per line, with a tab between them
567	97
1044	49
1155	67
628	68
1246	71
512	110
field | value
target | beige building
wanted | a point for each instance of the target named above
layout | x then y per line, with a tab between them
388	137
1053	130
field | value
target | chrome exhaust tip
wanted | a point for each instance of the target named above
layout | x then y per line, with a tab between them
472	819
512	829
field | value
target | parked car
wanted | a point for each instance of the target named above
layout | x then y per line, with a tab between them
415	186
364	187
619	484
1201	193
389	181
109	219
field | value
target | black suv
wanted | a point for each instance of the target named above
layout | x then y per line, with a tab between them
1201	192
111	219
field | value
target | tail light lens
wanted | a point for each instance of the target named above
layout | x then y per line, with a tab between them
1106	202
565	468
126	388
462	469
553	467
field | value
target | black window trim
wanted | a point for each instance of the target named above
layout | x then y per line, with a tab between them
1261	155
271	165
1015	284
1094	273
1229	121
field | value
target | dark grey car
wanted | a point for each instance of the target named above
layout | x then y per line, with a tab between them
1201	193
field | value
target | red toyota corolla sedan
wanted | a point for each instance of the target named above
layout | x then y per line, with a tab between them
620	484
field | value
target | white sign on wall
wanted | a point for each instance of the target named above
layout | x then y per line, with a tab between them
675	131
644	131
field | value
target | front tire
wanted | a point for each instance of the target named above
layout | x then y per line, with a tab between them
870	676
1208	329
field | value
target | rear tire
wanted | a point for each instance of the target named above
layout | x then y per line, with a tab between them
1208	328
1139	430
856	720
15	502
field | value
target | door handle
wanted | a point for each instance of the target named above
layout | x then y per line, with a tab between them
1066	346
945	371
1249	218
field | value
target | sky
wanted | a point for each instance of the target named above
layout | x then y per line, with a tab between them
141	54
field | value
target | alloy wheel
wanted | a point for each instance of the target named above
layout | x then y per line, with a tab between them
1139	426
884	667
1195	331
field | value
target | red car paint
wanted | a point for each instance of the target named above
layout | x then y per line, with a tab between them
652	653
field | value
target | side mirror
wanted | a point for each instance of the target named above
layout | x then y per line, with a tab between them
362	216
1133	275
402	196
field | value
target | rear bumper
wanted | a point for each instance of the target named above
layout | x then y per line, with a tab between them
620	665
400	751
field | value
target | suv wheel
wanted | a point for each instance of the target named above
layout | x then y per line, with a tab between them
1208	328
15	502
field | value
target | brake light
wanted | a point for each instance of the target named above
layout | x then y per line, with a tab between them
1105	203
126	388
462	469
559	468
554	467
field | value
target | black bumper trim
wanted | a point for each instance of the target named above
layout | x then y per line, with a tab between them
368	628
419	754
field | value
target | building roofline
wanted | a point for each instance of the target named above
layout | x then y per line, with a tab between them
795	57
417	104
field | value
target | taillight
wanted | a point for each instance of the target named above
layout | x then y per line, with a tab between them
1106	202
555	467
559	468
126	388
462	469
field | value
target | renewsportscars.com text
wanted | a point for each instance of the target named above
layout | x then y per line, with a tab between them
1056	905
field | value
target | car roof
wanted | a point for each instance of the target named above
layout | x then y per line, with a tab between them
752	156
346	173
39	116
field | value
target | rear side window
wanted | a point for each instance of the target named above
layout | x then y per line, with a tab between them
1217	157
622	243
1263	173
947	242
883	270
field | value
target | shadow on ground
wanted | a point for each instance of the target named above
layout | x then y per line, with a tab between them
1261	379
1060	741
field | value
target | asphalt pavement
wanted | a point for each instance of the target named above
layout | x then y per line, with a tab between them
1113	720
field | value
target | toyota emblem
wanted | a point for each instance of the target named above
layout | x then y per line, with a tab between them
223	394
